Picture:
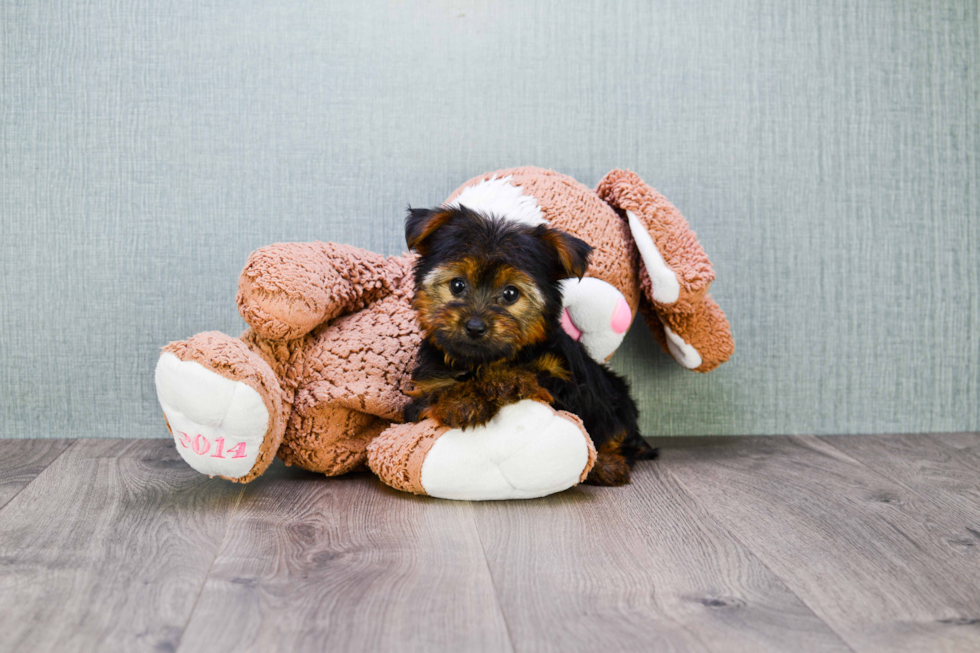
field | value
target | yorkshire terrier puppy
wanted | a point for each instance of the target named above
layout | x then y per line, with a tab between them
488	299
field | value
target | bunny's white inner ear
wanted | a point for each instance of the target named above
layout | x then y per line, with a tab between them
686	355
501	198
666	288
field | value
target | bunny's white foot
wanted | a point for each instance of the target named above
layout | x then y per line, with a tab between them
527	450
217	402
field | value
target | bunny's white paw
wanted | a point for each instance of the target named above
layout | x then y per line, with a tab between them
596	314
527	450
219	425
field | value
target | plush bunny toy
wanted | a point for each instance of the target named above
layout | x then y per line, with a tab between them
319	377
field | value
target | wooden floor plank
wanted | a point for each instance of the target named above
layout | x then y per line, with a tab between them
346	564
638	568
727	544
967	444
865	553
108	549
947	475
22	460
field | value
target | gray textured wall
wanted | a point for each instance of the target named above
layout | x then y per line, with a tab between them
826	152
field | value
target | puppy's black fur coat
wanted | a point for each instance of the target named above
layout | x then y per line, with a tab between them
463	379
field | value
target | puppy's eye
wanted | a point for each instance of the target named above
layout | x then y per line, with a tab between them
457	285
511	294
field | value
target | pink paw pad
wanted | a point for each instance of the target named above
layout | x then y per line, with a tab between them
569	326
621	319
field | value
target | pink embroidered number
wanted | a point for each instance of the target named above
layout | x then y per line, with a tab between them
238	450
200	445
201	449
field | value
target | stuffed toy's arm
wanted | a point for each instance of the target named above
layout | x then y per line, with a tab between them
288	289
674	275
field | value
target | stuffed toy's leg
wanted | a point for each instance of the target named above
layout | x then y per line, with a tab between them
322	435
527	450
288	289
223	405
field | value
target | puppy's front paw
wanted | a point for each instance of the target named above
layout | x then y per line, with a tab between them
460	410
413	410
504	385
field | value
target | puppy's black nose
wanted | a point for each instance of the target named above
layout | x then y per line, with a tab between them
475	327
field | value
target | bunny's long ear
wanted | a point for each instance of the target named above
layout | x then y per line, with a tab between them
674	270
674	274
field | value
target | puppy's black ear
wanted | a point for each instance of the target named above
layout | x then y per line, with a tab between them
573	253
421	223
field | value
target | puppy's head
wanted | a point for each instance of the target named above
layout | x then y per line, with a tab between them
486	287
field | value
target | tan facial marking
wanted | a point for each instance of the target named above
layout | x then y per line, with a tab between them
508	276
511	326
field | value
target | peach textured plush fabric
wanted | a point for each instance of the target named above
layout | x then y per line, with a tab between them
319	378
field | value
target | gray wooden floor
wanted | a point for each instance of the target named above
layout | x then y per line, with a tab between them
865	543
